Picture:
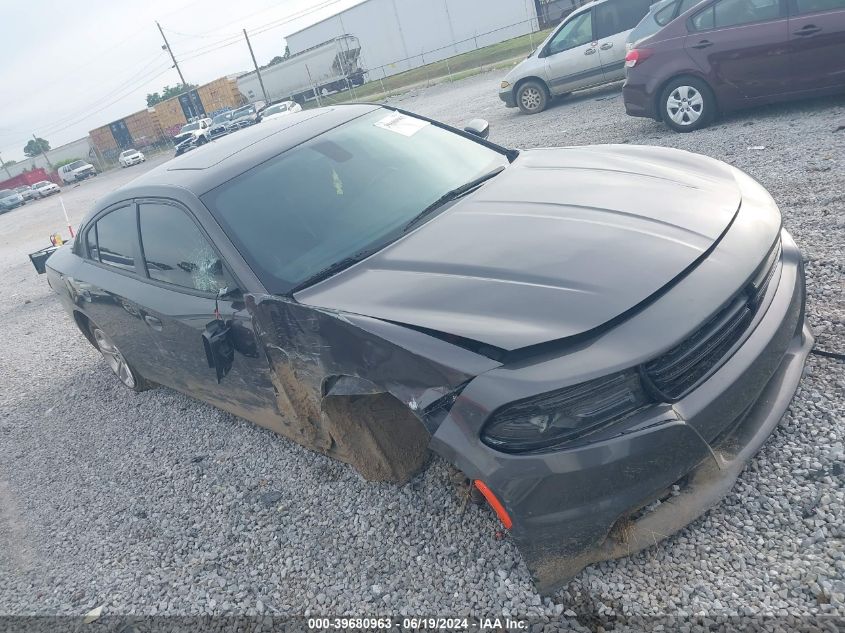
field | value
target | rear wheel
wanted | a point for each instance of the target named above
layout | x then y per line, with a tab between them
116	362
687	104
532	97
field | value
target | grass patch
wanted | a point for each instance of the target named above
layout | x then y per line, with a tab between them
500	55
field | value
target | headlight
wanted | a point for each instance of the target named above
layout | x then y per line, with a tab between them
552	418
504	84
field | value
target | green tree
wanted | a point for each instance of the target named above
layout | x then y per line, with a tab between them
35	147
276	60
167	93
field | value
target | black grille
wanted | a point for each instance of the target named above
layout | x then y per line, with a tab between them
680	369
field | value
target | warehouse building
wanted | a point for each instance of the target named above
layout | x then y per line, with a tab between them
397	35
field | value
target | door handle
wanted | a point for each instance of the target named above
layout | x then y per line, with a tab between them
703	44
808	29
590	51
607	46
153	322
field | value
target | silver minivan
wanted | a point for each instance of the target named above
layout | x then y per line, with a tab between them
587	49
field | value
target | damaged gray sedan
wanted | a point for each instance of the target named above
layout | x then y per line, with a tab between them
598	337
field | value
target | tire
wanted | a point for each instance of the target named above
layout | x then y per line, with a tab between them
532	97
201	141
687	104
126	374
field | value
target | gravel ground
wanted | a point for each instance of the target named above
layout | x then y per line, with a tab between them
156	503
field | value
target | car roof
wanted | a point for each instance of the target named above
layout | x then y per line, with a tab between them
206	167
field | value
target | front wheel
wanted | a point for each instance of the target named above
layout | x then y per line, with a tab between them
532	97
117	363
687	104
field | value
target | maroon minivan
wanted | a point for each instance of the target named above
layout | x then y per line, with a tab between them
728	54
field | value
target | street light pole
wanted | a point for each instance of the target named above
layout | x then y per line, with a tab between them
257	70
172	56
8	173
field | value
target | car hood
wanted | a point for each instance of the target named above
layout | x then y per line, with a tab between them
562	242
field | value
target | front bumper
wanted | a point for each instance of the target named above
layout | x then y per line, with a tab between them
506	95
599	500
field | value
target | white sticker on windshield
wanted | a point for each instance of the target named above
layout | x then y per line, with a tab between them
401	124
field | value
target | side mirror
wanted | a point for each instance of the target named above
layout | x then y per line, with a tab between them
219	351
478	127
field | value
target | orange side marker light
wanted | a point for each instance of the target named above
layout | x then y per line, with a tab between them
494	503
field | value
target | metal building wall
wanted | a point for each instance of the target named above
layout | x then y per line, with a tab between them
397	35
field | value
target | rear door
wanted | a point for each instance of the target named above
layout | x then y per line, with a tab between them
743	47
817	36
614	20
112	281
572	59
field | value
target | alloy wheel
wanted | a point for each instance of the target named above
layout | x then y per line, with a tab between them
685	105
114	359
531	98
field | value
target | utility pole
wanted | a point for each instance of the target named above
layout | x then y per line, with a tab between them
172	56
8	173
257	71
42	152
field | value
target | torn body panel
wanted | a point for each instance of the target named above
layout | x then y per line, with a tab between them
354	394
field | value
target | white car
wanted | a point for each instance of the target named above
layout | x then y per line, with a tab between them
45	188
130	157
76	171
280	109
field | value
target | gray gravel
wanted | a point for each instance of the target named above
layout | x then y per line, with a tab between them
156	503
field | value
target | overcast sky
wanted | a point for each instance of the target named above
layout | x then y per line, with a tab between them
69	67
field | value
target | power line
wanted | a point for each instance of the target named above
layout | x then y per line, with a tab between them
229	41
145	68
147	79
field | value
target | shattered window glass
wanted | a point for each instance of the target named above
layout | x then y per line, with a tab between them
176	252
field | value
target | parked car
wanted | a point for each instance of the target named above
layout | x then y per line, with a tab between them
586	50
374	284
658	16
76	171
220	125
129	157
45	188
192	135
26	193
724	55
10	200
280	109
245	116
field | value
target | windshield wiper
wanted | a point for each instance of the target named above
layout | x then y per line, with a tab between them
454	194
333	269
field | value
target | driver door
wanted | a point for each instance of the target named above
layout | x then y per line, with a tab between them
572	59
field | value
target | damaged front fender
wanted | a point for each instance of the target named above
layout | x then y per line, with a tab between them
359	389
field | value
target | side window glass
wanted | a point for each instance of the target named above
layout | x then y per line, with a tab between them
736	12
615	17
576	32
666	14
704	20
91	242
116	235
815	6
176	251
